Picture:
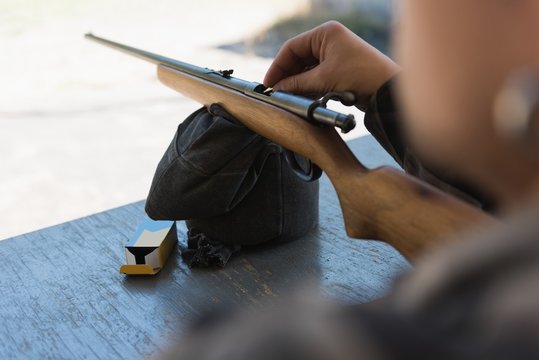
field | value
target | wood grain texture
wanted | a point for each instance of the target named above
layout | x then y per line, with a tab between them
64	298
321	144
379	204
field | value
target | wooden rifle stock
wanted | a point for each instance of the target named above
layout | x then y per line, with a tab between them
381	204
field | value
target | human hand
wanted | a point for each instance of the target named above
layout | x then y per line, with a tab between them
330	58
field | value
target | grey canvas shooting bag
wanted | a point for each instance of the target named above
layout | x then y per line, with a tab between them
232	186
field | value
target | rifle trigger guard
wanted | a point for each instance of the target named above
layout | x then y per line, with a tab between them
309	175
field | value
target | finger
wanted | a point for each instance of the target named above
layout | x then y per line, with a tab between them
295	55
307	82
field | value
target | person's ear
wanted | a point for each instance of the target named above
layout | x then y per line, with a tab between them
516	109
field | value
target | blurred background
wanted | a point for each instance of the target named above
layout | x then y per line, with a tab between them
82	127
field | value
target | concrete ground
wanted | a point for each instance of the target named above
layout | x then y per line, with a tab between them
82	127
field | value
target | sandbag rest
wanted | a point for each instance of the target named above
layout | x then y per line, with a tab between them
233	187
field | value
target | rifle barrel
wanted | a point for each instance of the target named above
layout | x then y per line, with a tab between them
308	109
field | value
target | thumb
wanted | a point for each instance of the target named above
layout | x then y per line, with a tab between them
307	82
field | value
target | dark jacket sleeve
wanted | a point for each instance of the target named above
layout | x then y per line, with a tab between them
384	121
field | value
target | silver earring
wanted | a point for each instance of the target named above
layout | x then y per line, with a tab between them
516	108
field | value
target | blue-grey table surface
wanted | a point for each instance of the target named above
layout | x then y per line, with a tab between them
62	296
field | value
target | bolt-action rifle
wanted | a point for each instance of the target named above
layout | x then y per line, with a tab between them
381	204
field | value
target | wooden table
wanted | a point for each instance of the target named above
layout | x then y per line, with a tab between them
62	295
